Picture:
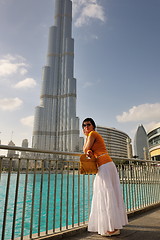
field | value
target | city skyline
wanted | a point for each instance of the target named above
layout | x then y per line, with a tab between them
116	64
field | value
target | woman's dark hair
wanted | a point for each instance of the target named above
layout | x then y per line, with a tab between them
89	120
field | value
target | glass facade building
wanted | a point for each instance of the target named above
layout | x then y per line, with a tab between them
154	142
141	143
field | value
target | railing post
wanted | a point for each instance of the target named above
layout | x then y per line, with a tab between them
6	200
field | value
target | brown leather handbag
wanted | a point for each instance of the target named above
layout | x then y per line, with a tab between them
88	165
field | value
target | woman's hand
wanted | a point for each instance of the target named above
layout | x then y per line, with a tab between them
84	132
89	153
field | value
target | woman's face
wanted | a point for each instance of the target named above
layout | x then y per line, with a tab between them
87	127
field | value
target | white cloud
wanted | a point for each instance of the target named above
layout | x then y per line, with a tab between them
23	71
10	104
26	83
144	112
27	121
84	11
87	84
10	65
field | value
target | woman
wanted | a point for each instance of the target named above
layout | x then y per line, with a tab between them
108	214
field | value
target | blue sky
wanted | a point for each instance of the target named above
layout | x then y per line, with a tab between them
117	63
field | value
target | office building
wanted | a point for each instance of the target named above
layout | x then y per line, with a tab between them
141	143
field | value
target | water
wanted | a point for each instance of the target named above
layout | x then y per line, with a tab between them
60	214
56	213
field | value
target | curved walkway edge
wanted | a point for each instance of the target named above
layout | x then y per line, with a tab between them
143	224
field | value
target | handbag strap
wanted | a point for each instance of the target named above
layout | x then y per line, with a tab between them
102	155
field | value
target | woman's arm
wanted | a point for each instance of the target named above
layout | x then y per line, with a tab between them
88	143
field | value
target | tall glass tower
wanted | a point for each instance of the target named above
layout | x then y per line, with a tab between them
56	126
141	143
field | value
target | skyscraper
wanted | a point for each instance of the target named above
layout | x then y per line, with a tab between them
141	143
56	126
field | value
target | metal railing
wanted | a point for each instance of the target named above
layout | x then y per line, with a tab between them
42	192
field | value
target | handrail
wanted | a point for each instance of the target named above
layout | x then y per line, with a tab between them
21	149
6	147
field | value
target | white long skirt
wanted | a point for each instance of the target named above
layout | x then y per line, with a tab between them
107	210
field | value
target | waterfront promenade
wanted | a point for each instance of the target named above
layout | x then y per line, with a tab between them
142	226
43	196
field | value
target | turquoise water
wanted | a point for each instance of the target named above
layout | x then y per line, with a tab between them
135	196
67	187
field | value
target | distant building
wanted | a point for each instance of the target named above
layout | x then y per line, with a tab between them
117	142
25	143
24	154
5	163
154	142
81	143
141	143
11	153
